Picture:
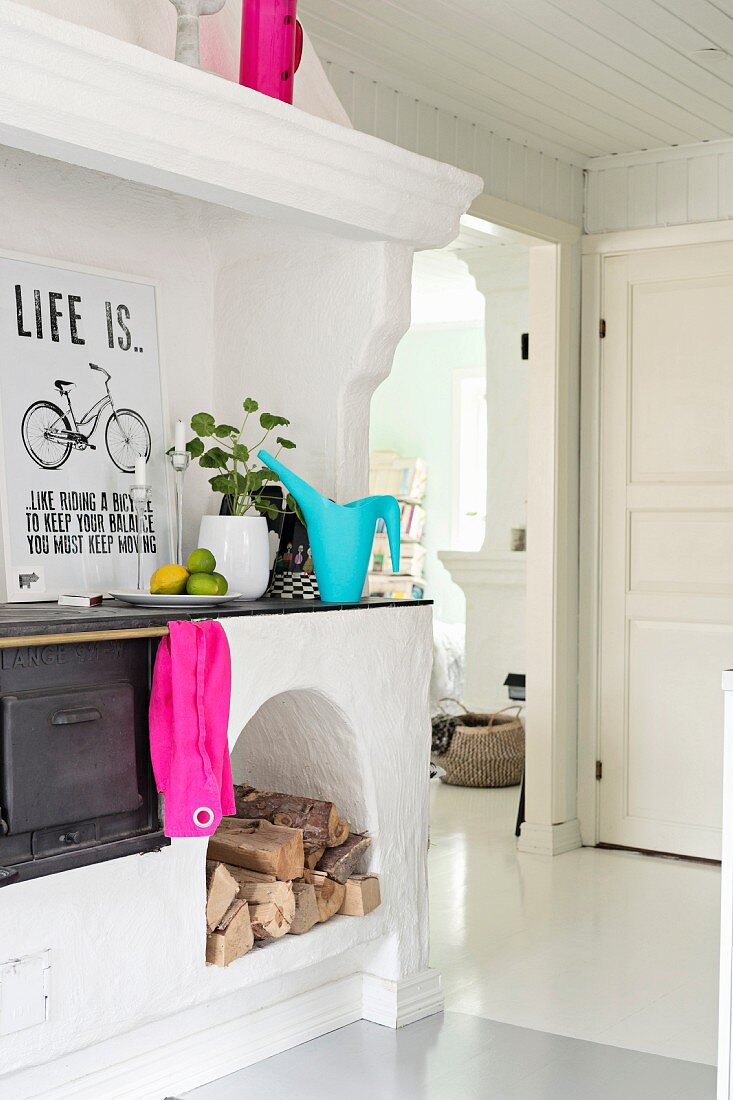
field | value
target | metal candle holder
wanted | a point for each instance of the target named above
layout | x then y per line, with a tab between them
179	462
140	495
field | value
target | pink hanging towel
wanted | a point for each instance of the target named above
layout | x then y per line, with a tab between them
189	716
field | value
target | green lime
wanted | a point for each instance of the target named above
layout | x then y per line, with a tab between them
201	561
202	584
222	582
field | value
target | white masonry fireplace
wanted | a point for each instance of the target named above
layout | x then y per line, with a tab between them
280	244
126	938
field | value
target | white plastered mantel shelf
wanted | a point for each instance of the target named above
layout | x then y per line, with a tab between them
75	95
486	567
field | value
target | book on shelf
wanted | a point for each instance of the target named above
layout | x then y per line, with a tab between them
412	557
412	521
398	476
396	586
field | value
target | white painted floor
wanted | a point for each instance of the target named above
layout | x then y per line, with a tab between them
599	945
459	1057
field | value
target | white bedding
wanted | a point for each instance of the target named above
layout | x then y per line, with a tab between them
449	663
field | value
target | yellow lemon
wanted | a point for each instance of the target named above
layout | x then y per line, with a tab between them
222	584
201	561
169	580
202	584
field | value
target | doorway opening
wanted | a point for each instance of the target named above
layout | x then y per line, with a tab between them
458	463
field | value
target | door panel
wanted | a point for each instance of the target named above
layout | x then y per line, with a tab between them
673	743
681	414
666	612
681	552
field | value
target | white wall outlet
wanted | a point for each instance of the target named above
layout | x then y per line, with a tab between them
24	989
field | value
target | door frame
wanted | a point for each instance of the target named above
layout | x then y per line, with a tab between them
596	248
551	824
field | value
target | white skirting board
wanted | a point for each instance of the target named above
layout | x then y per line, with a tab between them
395	1004
130	1068
550	840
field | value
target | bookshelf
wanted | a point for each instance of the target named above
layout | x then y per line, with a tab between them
404	478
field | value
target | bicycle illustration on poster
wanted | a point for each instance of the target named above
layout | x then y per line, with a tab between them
80	400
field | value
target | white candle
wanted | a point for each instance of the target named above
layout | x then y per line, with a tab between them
180	444
140	476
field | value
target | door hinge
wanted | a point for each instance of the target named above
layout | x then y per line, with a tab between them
599	769
602	329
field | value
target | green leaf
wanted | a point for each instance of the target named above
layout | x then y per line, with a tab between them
266	508
203	424
240	452
214	458
270	421
222	431
260	477
195	448
220	483
250	405
286	443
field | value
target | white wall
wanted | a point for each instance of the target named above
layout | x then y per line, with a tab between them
692	183
220	276
510	171
504	282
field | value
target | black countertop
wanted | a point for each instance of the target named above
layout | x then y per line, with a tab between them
19	620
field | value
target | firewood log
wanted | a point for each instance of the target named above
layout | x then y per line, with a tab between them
232	936
320	821
279	893
221	890
259	846
306	908
329	893
312	858
339	863
362	896
243	874
270	919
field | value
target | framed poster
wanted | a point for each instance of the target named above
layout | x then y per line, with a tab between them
80	399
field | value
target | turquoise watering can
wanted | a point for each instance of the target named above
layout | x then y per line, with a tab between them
341	535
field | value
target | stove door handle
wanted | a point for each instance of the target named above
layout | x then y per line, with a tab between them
74	717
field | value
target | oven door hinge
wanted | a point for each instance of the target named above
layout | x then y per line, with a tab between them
599	769
602	329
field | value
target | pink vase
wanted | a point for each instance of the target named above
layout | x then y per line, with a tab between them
272	42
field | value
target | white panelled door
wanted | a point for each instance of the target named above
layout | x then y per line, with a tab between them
666	600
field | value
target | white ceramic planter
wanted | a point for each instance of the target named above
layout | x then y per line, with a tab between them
241	548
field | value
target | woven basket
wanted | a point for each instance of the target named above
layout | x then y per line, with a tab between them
489	753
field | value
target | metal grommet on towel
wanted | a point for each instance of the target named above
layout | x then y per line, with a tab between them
208	817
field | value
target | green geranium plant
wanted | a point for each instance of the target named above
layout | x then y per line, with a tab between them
239	476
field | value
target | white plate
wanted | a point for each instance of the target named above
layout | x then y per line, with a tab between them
147	599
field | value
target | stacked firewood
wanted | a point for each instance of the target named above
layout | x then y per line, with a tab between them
284	864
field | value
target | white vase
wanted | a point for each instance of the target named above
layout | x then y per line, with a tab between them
241	547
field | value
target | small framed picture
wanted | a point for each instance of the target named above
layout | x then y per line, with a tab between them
81	398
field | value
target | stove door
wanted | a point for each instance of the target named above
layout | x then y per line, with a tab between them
68	755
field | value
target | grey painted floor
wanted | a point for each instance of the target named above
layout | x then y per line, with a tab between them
462	1057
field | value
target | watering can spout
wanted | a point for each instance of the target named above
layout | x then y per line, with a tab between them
304	493
389	510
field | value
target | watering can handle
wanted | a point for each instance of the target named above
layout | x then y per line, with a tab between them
298	44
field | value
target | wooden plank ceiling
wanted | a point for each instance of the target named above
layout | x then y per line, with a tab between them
580	78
